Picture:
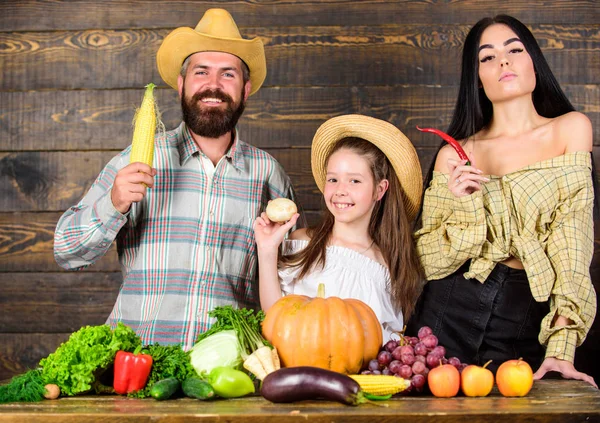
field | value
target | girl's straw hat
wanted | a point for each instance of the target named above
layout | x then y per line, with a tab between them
216	31
389	139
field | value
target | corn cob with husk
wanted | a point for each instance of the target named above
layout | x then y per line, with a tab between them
381	384
146	120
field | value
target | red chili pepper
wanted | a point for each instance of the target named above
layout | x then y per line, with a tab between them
449	140
131	371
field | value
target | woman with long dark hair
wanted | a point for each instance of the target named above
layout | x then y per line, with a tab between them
506	240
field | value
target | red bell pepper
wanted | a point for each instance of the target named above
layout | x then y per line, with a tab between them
131	371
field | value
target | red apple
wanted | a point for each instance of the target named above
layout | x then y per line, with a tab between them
476	381
514	378
444	380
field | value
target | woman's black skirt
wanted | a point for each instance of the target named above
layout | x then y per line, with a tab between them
496	320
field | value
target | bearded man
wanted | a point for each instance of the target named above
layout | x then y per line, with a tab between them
184	226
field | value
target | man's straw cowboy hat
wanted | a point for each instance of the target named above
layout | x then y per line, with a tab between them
395	145
216	31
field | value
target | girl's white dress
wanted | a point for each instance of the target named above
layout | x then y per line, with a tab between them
347	274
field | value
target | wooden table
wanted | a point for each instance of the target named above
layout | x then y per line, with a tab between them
549	401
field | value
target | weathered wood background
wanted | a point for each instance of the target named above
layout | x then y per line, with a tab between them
72	72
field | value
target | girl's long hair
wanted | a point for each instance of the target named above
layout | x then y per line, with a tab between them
388	227
473	110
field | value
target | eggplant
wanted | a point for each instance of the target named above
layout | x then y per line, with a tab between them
291	384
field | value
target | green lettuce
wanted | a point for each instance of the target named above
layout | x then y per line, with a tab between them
78	363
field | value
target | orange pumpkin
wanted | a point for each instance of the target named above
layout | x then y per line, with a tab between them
331	333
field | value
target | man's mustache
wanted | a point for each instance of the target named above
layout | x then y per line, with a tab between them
212	93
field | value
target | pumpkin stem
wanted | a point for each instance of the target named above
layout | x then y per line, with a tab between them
321	290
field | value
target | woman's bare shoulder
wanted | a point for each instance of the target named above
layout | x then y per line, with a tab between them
445	153
575	130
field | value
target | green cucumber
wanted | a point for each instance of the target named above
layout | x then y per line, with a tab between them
194	387
164	389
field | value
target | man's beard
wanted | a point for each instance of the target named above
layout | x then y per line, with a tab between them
211	122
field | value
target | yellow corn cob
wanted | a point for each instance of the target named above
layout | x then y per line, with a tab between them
381	384
146	117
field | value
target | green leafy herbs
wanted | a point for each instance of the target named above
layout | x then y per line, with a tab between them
27	387
78	363
167	361
245	322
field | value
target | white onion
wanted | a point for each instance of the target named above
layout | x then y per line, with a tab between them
281	210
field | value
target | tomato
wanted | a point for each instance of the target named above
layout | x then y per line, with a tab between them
230	383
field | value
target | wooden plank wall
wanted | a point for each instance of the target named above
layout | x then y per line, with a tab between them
72	72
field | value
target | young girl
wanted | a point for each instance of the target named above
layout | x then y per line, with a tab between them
506	243
362	248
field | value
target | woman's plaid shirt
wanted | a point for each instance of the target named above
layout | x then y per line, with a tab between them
542	215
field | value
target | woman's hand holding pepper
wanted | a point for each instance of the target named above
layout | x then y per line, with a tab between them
462	179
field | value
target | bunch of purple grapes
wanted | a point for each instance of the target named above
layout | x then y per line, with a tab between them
411	358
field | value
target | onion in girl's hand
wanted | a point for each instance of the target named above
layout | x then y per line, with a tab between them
281	210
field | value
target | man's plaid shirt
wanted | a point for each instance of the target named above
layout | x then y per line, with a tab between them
188	246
